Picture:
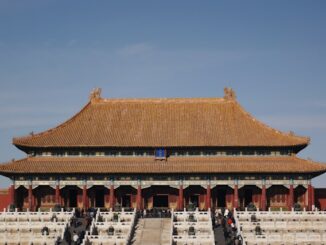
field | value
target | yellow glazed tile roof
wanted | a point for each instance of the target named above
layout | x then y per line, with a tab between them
144	165
162	123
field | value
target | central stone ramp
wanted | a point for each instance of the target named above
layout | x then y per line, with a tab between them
153	231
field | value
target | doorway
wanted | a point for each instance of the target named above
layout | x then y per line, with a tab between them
126	201
73	198
99	198
194	199
221	198
161	201
247	197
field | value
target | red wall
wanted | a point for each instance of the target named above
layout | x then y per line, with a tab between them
320	198
4	199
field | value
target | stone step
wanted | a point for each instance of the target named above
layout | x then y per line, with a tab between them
153	231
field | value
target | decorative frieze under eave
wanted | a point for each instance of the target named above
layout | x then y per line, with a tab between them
147	183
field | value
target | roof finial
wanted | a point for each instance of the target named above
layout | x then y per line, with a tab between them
229	94
95	94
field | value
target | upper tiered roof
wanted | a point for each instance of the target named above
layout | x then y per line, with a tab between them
191	122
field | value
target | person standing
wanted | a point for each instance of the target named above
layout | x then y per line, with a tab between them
75	238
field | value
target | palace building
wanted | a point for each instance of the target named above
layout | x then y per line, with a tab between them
162	153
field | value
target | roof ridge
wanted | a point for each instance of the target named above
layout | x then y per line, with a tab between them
160	100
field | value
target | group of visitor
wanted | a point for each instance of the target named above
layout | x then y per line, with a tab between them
155	213
224	218
79	223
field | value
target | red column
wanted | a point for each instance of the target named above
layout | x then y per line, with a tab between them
263	198
111	200
309	189
313	195
57	194
208	197
291	196
12	194
180	200
85	201
139	198
30	198
235	197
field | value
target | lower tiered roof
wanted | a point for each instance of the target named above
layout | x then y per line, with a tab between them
173	165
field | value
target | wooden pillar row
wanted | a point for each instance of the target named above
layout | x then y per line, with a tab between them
313	196
263	198
208	197
111	197
309	190
85	199
30	198
57	194
291	197
139	198
235	197
180	199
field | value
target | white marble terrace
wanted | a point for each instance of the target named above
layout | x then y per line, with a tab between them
201	232
282	227
112	228
27	227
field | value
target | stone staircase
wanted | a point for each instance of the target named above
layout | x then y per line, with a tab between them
80	228
219	236
153	231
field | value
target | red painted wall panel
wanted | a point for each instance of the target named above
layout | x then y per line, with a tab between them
320	198
4	199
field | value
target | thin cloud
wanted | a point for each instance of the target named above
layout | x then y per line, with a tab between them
290	122
135	49
32	109
72	43
26	122
317	103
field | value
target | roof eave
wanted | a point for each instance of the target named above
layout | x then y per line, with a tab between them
25	146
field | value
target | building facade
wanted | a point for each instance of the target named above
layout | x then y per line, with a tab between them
162	153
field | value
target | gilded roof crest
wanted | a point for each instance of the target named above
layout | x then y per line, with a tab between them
229	94
95	94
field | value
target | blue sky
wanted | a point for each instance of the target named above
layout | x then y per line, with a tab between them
273	53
